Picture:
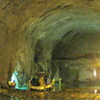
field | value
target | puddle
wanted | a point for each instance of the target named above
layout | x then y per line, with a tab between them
65	94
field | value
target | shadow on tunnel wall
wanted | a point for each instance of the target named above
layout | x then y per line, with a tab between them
68	73
38	50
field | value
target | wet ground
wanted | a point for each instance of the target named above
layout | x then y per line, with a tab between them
82	93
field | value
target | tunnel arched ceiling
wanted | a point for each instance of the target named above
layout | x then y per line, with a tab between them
34	32
70	33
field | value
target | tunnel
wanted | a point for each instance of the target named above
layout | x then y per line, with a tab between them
60	37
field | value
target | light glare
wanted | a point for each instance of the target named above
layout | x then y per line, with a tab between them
95	73
95	91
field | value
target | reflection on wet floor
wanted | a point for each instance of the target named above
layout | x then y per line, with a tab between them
84	93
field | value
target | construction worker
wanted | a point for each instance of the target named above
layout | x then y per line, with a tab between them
41	81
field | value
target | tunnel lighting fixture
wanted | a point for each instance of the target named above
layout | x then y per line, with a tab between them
95	91
95	73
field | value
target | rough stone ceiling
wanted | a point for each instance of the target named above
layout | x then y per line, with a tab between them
41	30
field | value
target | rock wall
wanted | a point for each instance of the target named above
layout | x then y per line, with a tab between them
34	33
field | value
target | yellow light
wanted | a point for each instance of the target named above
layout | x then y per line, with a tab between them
98	64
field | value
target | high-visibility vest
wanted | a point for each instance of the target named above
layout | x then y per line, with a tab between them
41	81
9	82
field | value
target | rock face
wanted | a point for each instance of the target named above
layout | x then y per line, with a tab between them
61	37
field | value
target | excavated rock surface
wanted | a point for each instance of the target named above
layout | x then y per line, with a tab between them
51	35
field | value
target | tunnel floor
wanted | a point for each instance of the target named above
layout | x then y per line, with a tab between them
77	93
